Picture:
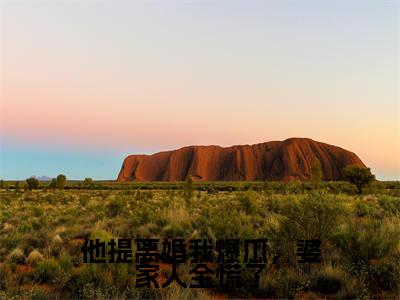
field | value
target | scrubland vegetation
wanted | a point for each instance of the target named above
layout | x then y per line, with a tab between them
42	231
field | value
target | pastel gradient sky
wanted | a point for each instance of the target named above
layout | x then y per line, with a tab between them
84	83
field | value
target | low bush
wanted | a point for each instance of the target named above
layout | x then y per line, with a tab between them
115	207
46	271
17	256
34	258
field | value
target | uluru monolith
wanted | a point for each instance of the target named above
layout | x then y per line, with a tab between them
286	160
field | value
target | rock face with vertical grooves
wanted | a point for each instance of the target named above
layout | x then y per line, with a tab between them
286	160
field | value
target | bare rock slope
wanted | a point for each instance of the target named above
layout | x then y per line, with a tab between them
278	160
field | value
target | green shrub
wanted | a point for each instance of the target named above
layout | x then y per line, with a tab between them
36	239
65	263
46	271
115	207
247	201
32	183
84	200
390	205
315	216
369	208
61	181
359	176
224	222
362	242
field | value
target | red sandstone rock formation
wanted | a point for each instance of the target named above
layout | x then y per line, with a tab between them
278	160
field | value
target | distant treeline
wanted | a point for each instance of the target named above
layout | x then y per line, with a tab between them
275	187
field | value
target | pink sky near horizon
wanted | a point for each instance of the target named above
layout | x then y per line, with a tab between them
102	125
71	81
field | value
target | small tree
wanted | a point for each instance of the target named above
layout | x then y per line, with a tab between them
316	172
32	183
53	184
88	182
359	176
61	181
